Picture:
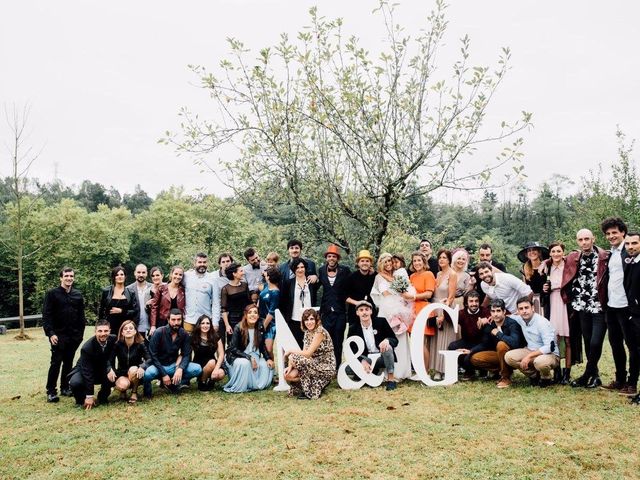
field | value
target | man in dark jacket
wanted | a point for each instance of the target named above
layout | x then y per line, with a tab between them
378	338
499	335
632	289
94	367
63	322
333	278
167	344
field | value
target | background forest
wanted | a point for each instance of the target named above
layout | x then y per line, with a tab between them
93	228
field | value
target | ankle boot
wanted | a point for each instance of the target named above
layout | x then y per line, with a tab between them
557	375
566	376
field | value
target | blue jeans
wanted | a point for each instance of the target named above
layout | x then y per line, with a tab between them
152	372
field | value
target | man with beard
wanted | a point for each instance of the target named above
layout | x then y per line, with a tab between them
471	335
199	292
359	284
500	334
142	289
253	272
503	286
63	322
333	278
485	254
170	352
94	367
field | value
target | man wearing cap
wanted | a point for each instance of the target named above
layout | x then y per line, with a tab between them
359	284
333	278
584	287
378	338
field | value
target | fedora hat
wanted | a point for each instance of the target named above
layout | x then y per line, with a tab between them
522	254
364	254
332	249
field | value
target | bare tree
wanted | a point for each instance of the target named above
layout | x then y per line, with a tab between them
21	157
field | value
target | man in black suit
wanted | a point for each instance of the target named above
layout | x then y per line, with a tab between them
632	289
333	278
94	367
63	321
378	338
617	310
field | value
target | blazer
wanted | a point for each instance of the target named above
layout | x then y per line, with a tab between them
632	286
285	270
147	296
94	362
161	304
334	298
381	331
288	292
132	313
571	263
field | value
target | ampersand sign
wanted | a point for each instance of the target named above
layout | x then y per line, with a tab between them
352	361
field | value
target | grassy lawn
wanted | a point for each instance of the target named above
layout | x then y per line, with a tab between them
464	431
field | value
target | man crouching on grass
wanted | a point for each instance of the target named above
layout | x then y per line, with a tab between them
170	352
94	367
378	338
541	355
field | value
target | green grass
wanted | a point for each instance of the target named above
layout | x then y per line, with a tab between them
471	431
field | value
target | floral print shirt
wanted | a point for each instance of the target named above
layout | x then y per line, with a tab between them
584	289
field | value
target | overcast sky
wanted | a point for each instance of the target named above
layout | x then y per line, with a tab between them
106	79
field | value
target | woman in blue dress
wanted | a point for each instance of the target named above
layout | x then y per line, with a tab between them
248	362
269	302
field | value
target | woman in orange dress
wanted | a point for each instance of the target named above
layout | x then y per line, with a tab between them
425	284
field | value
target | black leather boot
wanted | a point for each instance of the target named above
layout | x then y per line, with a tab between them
566	376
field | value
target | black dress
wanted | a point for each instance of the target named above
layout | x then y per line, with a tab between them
233	300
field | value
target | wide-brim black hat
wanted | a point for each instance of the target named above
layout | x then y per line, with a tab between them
522	254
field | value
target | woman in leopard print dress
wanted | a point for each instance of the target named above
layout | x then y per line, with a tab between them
310	370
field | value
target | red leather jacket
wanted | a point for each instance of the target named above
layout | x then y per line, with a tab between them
161	304
571	263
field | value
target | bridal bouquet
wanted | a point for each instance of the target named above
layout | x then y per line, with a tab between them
400	284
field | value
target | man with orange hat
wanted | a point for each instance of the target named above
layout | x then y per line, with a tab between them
359	284
333	279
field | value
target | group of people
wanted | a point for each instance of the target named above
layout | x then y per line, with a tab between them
220	325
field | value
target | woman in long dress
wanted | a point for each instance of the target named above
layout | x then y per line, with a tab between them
248	362
311	369
446	284
396	309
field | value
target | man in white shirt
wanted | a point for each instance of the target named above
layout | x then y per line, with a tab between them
503	286
199	288
541	354
617	314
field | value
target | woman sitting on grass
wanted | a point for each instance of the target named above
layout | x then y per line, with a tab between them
310	370
131	355
248	362
208	352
